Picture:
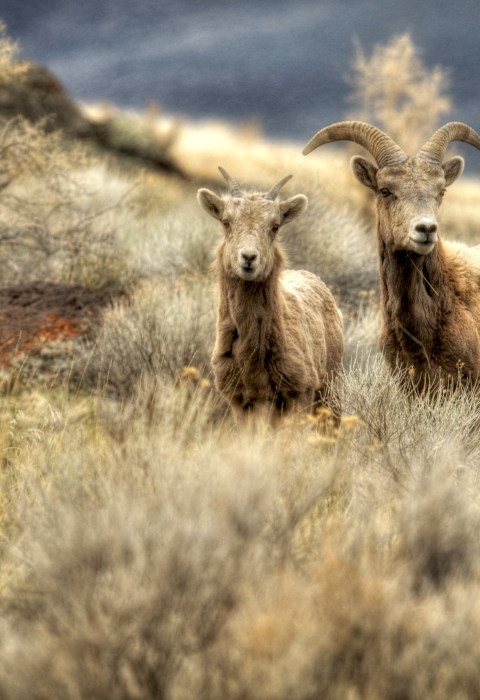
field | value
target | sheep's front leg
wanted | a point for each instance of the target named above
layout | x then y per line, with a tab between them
226	371
251	415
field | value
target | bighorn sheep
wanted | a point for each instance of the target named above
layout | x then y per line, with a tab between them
430	289
279	333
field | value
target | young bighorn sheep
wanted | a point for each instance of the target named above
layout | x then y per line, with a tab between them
279	333
430	289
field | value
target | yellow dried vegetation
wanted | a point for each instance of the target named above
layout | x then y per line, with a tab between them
150	548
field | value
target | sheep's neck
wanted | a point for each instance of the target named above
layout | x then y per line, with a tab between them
417	299
252	308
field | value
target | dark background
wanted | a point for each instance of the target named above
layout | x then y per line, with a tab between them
283	63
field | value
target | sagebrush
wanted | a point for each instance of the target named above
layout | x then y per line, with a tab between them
151	549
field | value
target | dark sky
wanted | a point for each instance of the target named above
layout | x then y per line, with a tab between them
281	62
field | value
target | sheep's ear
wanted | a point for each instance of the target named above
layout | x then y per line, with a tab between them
293	207
212	203
452	169
365	172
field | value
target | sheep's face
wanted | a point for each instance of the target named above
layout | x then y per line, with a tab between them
250	223
408	197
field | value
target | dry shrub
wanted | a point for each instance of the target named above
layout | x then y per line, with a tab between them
162	329
405	428
182	242
126	645
53	223
161	563
51	227
150	549
394	90
441	526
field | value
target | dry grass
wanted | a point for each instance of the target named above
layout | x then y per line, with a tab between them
150	553
163	328
53	224
150	549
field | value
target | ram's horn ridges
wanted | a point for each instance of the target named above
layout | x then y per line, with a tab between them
382	147
434	150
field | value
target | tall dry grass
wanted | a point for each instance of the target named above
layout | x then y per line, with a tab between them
151	549
150	552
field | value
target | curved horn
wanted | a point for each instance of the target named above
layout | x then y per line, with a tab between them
273	192
434	150
382	147
235	190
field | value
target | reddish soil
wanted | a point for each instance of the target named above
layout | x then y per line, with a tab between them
32	315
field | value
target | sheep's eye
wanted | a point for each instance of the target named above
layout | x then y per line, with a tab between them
226	224
275	228
442	194
384	192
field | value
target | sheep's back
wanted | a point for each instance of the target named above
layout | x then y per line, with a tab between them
463	265
313	320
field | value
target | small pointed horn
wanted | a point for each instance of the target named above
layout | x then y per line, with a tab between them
273	192
434	150
382	147
235	190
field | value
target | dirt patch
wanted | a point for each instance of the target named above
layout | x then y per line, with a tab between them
36	314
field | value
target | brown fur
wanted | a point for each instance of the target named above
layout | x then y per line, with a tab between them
430	302
279	341
279	333
431	313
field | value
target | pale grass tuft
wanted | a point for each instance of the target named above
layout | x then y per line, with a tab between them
172	552
163	331
150	548
53	223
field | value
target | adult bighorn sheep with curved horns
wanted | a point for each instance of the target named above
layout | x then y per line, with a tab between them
279	333
430	289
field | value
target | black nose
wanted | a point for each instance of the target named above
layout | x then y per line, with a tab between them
249	257
426	228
